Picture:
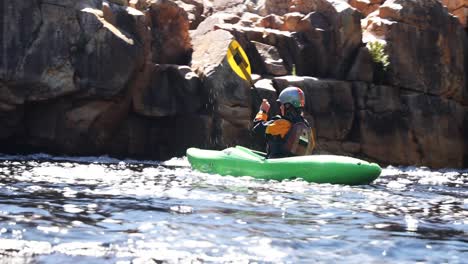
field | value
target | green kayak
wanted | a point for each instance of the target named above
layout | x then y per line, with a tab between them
240	161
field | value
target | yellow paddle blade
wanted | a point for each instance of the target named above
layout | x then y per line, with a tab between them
238	60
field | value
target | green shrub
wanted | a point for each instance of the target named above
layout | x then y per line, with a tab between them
377	51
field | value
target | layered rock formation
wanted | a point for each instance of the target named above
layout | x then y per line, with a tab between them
148	78
458	8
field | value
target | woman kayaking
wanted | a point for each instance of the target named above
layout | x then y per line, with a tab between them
288	134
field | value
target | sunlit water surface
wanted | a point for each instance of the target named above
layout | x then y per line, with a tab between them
95	210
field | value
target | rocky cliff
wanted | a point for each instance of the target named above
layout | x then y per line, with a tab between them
384	80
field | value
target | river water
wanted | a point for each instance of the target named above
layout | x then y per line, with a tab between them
102	210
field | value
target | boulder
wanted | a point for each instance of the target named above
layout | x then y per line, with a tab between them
295	22
366	6
249	19
194	9
427	47
271	21
23	23
170	33
69	50
394	127
36	61
321	43
211	22
271	59
109	55
229	96
167	90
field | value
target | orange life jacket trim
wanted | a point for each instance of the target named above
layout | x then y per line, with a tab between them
261	116
279	127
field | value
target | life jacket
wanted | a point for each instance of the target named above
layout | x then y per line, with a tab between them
300	139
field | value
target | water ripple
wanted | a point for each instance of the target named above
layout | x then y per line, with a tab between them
98	209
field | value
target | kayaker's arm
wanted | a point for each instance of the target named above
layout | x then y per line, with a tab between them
261	119
260	123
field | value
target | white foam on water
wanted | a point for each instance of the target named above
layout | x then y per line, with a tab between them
423	175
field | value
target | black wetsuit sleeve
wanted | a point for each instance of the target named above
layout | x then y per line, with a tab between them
259	127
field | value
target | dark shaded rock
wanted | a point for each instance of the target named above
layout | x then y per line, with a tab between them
107	61
394	127
21	22
363	67
161	138
80	128
37	64
168	90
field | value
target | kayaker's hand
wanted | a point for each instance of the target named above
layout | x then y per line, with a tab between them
265	106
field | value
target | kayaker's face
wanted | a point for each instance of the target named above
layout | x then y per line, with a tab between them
281	109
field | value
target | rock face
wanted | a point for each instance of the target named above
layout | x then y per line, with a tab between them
70	70
149	78
366	6
424	43
458	8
